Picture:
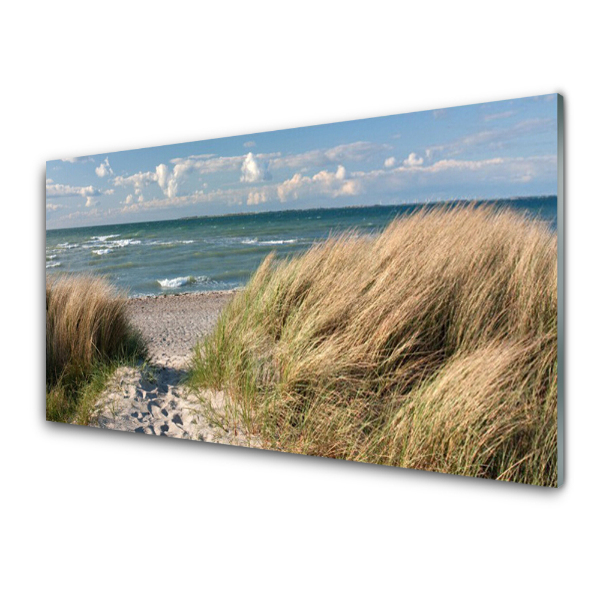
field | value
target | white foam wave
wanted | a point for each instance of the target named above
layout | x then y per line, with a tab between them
50	256
176	282
170	242
276	242
67	245
123	243
51	264
103	238
102	251
249	241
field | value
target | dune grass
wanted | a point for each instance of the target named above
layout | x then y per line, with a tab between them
87	337
432	345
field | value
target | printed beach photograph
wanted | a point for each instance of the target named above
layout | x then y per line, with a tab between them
383	290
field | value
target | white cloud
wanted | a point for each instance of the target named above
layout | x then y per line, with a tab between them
406	178
230	197
59	190
255	198
452	174
411	180
324	183
252	171
79	159
208	163
258	167
169	182
469	165
138	181
413	160
394	178
290	188
52	207
104	168
162	172
249	144
354	152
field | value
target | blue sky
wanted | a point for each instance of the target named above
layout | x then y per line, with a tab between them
491	150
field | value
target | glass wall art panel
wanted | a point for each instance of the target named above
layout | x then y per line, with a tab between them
386	290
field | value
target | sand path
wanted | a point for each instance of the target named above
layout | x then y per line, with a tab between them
152	398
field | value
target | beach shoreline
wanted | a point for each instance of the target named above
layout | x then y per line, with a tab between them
172	324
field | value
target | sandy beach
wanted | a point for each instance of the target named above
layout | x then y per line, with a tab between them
171	325
151	398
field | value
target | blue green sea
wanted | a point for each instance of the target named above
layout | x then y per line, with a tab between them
220	253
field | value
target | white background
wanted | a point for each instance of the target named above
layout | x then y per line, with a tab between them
99	514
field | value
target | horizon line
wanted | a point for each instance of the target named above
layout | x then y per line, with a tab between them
289	210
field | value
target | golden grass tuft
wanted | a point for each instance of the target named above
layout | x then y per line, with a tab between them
86	331
432	345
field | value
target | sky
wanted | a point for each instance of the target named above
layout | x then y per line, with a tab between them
481	151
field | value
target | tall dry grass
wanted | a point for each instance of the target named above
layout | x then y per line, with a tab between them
432	345
86	330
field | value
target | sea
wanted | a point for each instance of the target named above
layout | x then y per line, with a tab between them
221	253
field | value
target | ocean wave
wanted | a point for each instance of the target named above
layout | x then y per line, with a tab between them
52	263
276	242
109	244
50	256
255	242
123	243
170	242
67	245
103	238
102	251
176	282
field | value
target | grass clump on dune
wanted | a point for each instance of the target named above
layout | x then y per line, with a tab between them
87	335
432	345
